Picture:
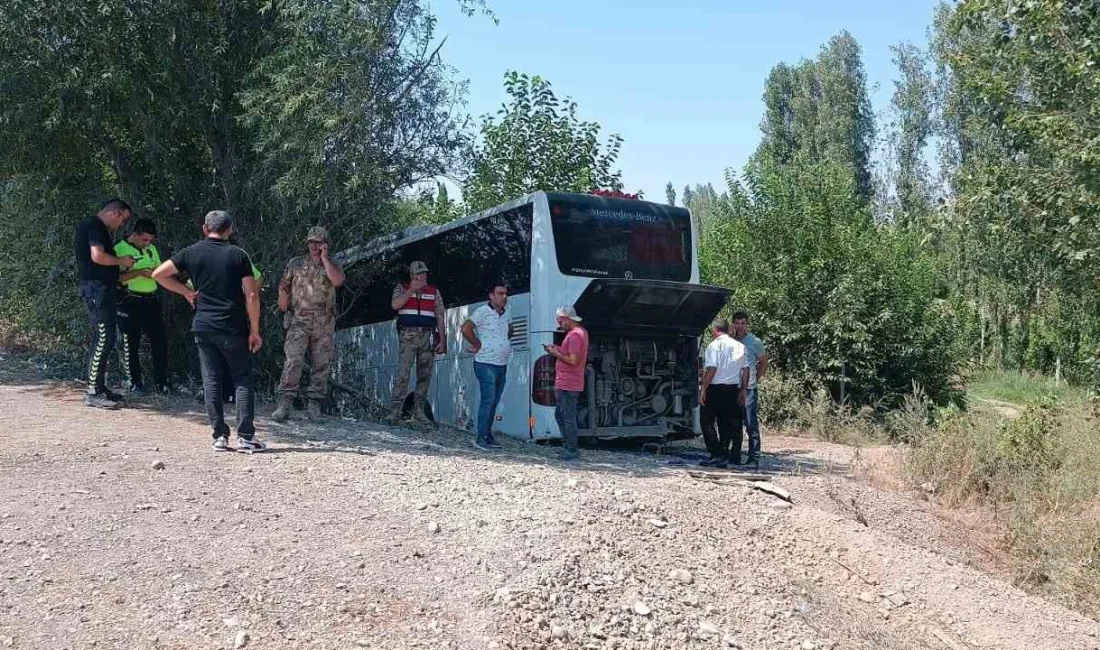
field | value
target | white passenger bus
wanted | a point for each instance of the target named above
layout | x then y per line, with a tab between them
630	269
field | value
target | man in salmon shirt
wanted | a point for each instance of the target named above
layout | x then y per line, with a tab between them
571	355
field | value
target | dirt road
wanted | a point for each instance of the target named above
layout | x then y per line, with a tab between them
350	535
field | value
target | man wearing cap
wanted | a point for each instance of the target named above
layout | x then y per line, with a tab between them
307	295
139	309
572	356
226	326
420	312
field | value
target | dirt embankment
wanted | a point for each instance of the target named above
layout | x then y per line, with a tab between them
350	535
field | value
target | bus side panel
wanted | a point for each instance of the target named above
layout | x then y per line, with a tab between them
366	359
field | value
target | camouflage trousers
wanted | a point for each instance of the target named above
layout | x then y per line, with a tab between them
416	347
315	333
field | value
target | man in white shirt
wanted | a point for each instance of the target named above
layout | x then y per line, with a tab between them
487	332
722	396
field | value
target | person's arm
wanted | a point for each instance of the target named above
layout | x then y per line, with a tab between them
284	288
761	365
401	296
441	323
251	290
101	257
130	275
470	336
708	376
165	275
744	392
333	271
558	352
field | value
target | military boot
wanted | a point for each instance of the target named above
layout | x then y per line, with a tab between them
314	409
282	412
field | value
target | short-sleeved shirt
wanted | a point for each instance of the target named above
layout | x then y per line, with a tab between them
216	268
492	331
754	350
440	310
305	280
567	377
93	232
148	258
727	356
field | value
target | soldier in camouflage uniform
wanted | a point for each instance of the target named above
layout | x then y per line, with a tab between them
307	295
421	333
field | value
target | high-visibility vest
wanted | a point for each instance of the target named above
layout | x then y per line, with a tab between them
419	309
147	258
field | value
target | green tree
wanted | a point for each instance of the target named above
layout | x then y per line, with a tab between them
670	194
821	109
288	114
537	142
843	303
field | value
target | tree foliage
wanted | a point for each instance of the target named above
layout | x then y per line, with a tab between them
537	142
287	113
843	303
821	109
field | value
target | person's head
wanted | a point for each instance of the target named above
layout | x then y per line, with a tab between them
114	213
740	324
144	233
498	296
719	327
315	239
418	271
567	318
218	225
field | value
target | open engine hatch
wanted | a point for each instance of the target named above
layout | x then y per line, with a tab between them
650	305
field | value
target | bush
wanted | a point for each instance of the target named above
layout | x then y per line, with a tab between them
844	305
1040	474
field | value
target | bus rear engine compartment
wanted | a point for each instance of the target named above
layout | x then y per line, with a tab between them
635	383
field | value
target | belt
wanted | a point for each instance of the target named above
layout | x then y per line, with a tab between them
416	328
126	293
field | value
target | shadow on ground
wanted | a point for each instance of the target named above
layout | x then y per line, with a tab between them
350	436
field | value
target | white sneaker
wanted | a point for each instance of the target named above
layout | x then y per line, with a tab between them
221	443
249	445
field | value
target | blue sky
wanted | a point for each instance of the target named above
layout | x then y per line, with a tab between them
680	81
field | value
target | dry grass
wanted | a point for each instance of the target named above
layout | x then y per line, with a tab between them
1039	477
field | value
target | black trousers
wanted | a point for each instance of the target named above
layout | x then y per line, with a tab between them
101	302
216	350
140	314
722	411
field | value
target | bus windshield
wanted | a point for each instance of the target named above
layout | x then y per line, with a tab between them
601	237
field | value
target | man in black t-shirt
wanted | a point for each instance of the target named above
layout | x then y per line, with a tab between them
98	268
226	326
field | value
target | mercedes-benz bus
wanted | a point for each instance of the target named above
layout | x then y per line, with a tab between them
630	269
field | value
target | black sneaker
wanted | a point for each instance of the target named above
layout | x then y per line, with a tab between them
709	462
720	464
493	444
483	446
111	395
99	401
753	461
137	390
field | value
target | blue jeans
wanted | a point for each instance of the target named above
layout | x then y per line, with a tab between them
566	415
490	381
752	423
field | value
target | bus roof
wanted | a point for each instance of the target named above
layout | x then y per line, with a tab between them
415	233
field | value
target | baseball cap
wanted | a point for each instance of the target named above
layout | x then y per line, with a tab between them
317	233
418	267
568	312
217	221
